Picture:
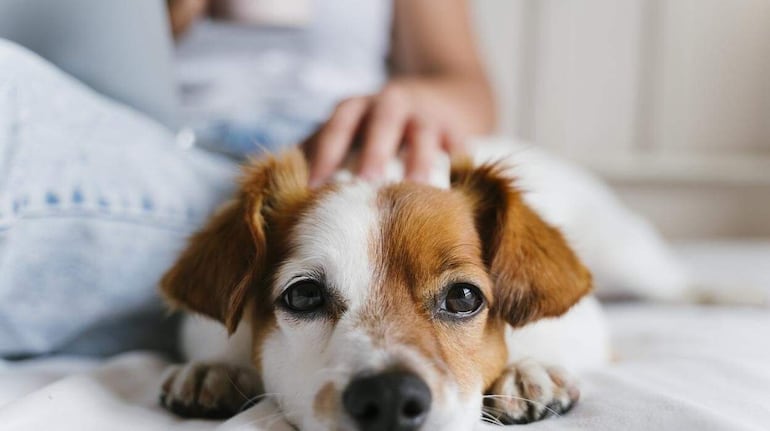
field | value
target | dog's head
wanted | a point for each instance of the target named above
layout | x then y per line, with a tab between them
377	307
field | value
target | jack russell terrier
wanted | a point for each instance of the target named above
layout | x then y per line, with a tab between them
393	306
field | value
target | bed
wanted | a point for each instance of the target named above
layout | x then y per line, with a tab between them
677	367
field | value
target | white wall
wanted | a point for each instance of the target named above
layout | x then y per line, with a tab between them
669	100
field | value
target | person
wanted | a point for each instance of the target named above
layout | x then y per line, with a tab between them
432	96
95	202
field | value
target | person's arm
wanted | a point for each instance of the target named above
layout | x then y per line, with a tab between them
438	94
433	39
182	13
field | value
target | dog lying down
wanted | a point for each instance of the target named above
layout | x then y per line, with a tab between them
393	306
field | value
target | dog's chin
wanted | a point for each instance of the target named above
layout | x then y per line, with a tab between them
311	399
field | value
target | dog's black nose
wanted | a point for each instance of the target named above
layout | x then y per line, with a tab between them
391	401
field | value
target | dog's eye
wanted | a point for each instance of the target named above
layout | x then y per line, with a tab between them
462	299
304	296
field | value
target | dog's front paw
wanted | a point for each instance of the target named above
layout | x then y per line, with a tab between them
209	390
528	391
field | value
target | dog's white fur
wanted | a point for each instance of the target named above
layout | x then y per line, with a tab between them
303	356
577	341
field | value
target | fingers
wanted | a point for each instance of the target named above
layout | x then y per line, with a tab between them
386	120
424	141
454	144
384	132
330	145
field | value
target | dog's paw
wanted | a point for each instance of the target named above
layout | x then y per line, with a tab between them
528	391
209	390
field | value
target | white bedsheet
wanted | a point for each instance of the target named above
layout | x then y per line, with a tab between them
677	368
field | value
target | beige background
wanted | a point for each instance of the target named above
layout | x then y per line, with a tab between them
668	100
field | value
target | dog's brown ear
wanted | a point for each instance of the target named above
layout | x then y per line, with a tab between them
228	257
536	274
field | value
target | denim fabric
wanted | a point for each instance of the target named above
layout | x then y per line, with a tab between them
95	202
268	133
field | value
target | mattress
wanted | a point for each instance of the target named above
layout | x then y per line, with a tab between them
676	367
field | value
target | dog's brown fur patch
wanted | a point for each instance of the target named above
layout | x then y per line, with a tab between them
429	240
226	264
536	274
481	231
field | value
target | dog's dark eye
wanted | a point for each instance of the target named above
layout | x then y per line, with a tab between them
304	296
462	299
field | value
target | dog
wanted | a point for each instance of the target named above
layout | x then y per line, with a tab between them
393	306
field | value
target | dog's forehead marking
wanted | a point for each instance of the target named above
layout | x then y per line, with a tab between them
336	236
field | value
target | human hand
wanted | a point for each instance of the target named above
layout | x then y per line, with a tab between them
405	115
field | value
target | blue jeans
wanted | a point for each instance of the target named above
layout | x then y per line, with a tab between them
96	201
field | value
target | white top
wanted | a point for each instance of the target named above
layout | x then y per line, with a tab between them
287	77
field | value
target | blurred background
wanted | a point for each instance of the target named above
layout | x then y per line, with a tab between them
667	100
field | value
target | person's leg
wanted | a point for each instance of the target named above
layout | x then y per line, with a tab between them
95	201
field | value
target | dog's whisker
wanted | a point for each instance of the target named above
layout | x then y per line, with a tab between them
490	409
489	417
497	413
513	397
236	387
253	400
492	420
